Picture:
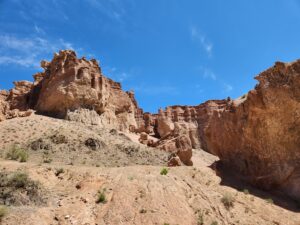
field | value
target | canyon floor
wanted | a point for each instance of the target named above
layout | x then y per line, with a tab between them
80	174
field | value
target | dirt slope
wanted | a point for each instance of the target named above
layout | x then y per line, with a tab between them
135	191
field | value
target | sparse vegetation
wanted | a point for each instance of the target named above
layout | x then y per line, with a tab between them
18	189
101	198
3	211
166	224
246	191
59	171
200	220
19	180
164	171
18	154
214	223
244	96
47	160
228	201
269	200
143	211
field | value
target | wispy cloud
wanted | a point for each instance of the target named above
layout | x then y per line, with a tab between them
201	38
112	9
28	52
208	73
116	74
227	87
39	30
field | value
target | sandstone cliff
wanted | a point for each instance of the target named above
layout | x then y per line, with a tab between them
74	89
259	134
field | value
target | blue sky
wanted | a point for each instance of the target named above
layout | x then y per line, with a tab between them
168	51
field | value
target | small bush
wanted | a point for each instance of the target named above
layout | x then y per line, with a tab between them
164	171
101	196
19	180
214	223
269	200
59	171
200	220
246	191
143	211
3	211
18	154
47	160
227	201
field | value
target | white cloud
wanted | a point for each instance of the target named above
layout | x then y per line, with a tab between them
198	36
26	62
39	30
116	74
207	73
28	52
227	87
113	9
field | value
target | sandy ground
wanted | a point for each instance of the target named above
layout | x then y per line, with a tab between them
135	194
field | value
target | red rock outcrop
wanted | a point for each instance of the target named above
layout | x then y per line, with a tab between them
69	85
181	128
259	134
13	103
188	120
74	89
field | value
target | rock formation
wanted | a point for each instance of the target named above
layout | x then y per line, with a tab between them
69	85
259	134
74	89
13	103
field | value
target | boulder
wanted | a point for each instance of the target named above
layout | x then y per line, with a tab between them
174	161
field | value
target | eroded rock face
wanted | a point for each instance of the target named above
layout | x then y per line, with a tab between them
13	102
70	84
182	120
259	134
73	89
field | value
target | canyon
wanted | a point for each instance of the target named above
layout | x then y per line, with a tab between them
257	135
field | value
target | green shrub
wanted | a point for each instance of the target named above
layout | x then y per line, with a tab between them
18	154
3	211
47	160
164	171
101	196
227	201
246	191
269	200
214	223
19	180
200	220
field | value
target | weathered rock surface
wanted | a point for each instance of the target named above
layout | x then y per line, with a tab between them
259	134
73	89
71	84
